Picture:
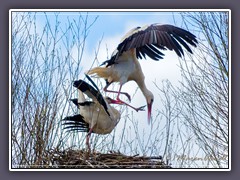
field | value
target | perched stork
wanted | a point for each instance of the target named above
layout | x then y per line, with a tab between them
96	116
123	66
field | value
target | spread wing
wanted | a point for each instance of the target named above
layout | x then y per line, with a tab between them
151	40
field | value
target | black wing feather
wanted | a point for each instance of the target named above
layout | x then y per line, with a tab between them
183	43
75	123
87	88
138	54
75	101
85	103
151	53
93	83
157	53
163	37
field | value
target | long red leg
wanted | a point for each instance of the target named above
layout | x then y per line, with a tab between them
119	92
119	101
88	137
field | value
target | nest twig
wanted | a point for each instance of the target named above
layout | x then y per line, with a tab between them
77	159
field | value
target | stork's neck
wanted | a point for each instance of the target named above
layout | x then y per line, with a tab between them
144	89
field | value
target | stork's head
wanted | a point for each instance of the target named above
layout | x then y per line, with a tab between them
149	97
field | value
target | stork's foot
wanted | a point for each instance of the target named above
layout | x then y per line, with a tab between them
88	148
119	101
140	108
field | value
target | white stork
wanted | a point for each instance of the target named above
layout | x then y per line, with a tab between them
96	116
123	66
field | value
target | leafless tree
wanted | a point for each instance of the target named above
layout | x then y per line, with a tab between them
43	68
200	105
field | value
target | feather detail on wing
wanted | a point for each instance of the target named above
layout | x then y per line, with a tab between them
150	40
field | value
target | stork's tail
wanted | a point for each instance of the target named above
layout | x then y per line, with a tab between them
102	72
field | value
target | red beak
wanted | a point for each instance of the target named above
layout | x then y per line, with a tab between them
149	112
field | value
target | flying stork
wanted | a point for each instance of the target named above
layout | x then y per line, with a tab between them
95	116
123	66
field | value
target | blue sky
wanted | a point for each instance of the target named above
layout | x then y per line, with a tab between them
113	23
110	24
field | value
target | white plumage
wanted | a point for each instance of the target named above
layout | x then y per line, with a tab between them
95	116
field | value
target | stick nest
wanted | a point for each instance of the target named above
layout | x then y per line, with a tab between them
81	159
